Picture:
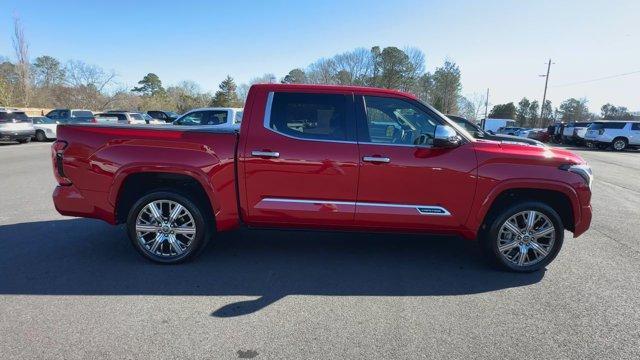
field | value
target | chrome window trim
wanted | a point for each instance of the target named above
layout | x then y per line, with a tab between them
267	119
421	209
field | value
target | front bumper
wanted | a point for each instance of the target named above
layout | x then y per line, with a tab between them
585	221
13	135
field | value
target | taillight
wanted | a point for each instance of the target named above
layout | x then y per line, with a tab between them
57	152
94	120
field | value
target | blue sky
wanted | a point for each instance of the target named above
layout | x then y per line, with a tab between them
501	45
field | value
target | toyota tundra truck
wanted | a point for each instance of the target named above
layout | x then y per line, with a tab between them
323	158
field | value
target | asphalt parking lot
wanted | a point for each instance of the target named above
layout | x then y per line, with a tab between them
75	288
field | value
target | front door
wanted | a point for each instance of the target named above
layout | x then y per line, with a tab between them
301	163
405	182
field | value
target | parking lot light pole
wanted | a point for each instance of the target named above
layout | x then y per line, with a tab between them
544	96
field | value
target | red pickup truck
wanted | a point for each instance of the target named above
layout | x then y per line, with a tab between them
323	157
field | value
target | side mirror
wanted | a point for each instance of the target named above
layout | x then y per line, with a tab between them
446	137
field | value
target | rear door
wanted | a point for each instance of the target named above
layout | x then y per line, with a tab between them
301	160
635	134
405	182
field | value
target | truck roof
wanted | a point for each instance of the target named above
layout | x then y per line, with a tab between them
358	89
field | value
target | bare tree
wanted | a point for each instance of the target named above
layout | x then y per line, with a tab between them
322	71
80	74
357	65
21	48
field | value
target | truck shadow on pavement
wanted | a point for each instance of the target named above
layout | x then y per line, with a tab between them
88	257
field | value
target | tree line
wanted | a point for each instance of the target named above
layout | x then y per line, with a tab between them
527	113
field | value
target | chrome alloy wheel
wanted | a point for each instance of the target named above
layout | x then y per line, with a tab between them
165	228
526	238
619	144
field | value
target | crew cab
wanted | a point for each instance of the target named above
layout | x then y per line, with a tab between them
323	157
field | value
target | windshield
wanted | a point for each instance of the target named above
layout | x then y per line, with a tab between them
172	114
9	117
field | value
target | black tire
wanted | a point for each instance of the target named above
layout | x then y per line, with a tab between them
202	225
619	144
40	136
489	238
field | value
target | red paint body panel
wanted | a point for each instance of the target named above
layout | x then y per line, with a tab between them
326	185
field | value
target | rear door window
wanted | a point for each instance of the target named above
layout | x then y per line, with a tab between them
614	125
10	117
309	116
216	117
635	126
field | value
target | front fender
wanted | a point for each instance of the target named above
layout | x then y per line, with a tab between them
483	202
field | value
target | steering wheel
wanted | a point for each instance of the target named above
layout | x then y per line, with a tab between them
423	139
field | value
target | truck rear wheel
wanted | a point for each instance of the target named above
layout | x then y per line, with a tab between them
167	227
524	237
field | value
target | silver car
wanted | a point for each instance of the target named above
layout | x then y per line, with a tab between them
16	126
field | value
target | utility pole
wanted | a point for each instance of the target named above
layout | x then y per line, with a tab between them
544	97
486	104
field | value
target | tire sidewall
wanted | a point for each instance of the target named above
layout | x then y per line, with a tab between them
199	240
40	135
624	142
491	243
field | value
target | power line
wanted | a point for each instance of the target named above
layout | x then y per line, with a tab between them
597	79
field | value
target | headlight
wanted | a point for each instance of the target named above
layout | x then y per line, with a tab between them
583	170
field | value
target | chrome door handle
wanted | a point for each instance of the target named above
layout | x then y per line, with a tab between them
268	154
376	159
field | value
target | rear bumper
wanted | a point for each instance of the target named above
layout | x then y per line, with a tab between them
70	201
12	135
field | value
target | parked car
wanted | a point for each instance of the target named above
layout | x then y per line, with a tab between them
478	133
316	157
125	117
71	115
510	130
541	135
110	118
15	126
166	116
492	125
523	132
617	134
218	117
149	120
574	132
45	128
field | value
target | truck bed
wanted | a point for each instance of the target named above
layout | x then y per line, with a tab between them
99	159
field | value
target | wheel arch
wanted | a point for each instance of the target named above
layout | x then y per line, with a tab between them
559	196
129	186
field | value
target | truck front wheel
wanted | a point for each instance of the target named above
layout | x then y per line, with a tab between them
524	237
167	227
